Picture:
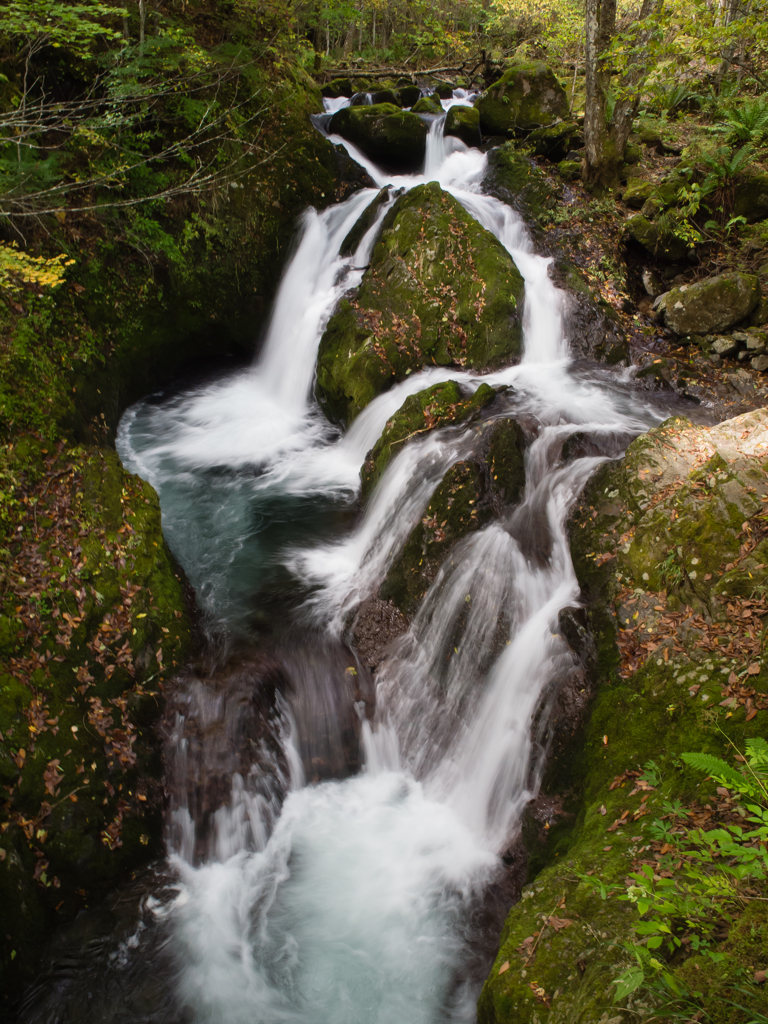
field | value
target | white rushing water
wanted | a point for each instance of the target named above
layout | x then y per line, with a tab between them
353	910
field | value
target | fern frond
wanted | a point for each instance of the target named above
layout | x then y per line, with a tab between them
711	765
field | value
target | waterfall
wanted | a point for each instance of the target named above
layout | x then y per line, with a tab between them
305	896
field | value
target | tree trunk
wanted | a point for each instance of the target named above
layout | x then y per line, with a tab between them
625	109
600	168
141	23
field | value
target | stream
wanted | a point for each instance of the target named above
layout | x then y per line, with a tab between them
332	842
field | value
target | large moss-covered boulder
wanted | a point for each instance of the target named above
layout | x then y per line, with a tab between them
438	406
527	96
637	192
711	305
440	290
464	123
394	138
515	179
470	495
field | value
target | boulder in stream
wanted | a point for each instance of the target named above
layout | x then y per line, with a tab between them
711	305
440	290
527	96
438	406
428	105
394	138
470	494
464	123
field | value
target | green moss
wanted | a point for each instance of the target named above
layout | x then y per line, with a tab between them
427	105
464	123
438	406
515	179
468	497
527	96
394	138
413	309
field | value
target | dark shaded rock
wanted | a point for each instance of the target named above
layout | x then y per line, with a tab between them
363	223
554	141
440	290
527	96
750	198
385	96
408	95
593	326
339	87
464	123
712	305
394	138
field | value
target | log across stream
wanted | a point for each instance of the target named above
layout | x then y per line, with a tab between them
333	835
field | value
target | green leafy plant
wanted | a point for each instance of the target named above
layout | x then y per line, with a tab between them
702	879
747	122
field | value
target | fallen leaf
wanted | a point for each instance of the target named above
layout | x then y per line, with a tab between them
603	809
754	669
504	967
558	923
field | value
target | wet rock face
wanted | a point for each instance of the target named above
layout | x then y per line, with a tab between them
440	290
527	96
427	105
395	139
712	305
434	407
464	124
471	494
514	179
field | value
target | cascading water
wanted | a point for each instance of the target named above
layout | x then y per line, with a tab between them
350	901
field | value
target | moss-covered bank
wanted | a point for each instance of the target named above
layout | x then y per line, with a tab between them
92	611
668	547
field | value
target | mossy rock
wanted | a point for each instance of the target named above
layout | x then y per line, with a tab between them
569	170
438	406
443	90
711	305
408	95
427	105
637	191
464	123
554	141
663	246
516	180
527	96
470	494
440	290
386	96
393	138
340	87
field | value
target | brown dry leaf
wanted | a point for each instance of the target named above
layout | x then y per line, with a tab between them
754	669
504	967
558	923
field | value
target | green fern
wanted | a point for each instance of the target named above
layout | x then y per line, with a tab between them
714	766
748	122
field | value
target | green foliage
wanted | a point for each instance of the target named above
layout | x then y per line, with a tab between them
703	878
41	23
747	122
